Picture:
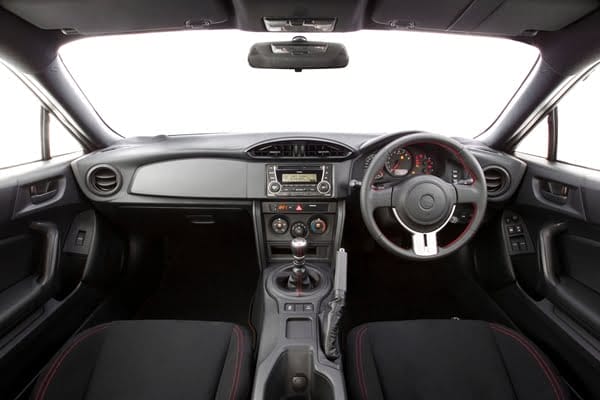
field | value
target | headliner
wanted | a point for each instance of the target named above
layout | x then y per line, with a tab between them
495	17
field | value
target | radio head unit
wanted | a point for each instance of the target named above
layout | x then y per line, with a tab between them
299	181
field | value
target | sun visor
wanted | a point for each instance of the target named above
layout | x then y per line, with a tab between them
107	16
497	17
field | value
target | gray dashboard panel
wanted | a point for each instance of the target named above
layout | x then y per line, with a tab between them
193	177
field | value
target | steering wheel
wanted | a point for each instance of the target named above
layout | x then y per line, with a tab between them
424	204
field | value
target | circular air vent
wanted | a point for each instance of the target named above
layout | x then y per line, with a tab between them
497	180
103	180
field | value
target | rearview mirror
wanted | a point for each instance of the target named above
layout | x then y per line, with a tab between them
298	54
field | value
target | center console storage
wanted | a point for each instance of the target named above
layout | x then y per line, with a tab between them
294	377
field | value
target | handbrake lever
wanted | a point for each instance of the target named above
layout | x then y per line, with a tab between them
331	318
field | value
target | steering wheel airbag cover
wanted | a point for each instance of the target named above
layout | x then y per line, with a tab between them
424	203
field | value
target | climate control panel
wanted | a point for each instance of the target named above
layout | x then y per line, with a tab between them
315	225
287	220
313	220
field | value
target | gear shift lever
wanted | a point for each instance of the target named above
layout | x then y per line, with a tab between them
298	246
299	278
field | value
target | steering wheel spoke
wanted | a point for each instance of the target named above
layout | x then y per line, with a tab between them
467	194
425	244
380	197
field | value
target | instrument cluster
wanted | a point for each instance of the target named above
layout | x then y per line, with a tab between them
405	162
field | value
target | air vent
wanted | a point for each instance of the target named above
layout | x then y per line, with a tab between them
275	150
104	180
312	149
497	180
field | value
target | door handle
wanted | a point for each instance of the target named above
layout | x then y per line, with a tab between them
555	192
43	191
40	198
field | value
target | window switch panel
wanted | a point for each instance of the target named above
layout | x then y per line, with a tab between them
515	234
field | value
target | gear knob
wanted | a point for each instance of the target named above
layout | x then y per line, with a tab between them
298	247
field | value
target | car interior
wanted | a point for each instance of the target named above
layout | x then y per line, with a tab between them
215	208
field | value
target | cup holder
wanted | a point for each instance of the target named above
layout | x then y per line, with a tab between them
293	378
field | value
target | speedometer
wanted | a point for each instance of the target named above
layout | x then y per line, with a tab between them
399	162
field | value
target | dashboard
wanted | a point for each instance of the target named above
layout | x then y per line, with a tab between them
224	168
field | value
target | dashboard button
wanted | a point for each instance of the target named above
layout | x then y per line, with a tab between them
323	187
290	307
274	187
308	307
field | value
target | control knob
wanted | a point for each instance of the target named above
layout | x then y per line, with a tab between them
299	229
279	225
323	187
318	226
274	187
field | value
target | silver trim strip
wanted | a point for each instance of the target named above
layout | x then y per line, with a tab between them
424	243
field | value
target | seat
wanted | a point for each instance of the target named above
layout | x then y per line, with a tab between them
447	359
151	360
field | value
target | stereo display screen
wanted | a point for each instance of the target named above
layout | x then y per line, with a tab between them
298	178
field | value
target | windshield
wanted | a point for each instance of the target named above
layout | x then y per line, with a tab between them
200	82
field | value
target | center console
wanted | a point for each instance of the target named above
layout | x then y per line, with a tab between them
296	313
298	302
302	206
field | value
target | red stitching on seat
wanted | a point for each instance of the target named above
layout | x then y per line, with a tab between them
238	361
52	371
556	387
358	361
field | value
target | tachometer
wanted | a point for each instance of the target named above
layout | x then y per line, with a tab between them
399	162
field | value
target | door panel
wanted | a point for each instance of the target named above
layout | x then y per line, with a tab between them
555	292
39	202
16	259
569	264
50	237
580	255
568	238
23	297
